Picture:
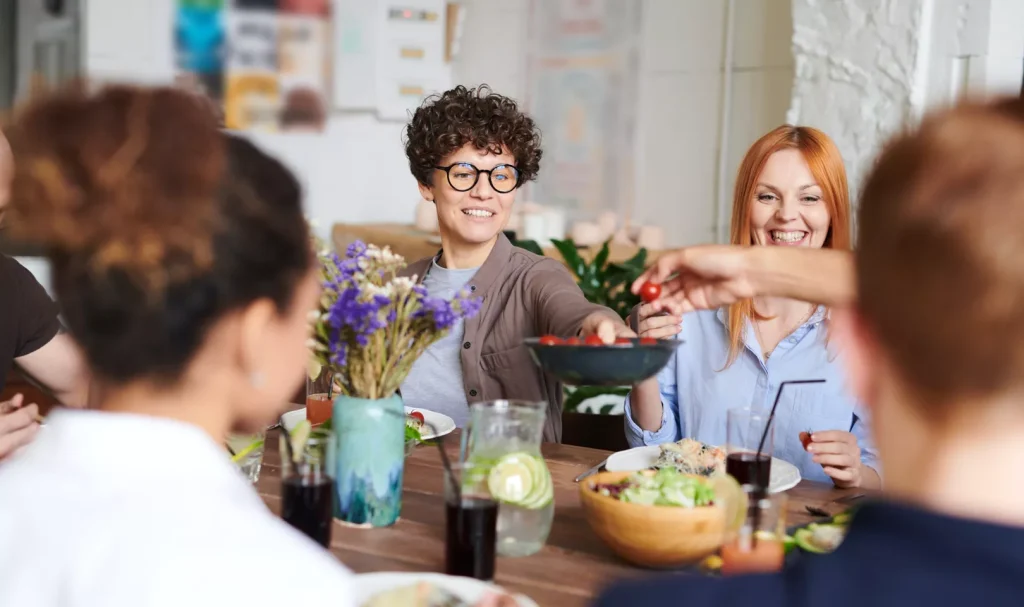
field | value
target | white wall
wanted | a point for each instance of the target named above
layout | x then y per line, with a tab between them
863	67
357	171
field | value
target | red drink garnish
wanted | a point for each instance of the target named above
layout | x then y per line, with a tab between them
805	439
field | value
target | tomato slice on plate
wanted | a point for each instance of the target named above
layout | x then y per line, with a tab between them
416	415
593	340
550	340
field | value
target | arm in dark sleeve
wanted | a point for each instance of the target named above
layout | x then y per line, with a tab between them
559	304
35	314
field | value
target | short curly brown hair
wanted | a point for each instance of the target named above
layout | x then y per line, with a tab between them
493	122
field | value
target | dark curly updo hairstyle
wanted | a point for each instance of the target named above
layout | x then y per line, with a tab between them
492	122
156	223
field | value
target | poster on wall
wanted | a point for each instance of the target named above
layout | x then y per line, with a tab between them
583	93
266	62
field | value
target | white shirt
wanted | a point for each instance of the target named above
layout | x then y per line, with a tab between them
120	510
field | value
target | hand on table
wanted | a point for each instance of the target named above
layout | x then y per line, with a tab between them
699	278
606	328
654	323
18	424
839	456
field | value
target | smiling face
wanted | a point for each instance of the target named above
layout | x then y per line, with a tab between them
788	207
476	216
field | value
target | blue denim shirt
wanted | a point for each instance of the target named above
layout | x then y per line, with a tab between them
696	391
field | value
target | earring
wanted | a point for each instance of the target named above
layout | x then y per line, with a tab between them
256	379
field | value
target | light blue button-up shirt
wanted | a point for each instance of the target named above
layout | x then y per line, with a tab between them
696	391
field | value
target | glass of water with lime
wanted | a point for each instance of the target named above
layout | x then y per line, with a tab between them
247	452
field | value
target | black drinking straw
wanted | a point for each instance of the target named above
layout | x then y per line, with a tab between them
761	491
771	415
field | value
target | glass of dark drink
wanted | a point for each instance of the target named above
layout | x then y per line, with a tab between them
307	484
743	460
471	522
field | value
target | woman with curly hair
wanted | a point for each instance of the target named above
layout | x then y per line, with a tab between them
470	150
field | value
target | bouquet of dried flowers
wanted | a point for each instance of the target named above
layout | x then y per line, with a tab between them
372	325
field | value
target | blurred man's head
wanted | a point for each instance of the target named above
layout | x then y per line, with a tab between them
938	346
6	173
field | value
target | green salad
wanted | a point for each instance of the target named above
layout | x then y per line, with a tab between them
666	487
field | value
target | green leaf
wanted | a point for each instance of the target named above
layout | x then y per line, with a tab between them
596	269
531	246
602	256
607	409
567	248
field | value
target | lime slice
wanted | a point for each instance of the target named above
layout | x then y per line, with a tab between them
731	496
246	450
298	436
313	368
543	491
512	478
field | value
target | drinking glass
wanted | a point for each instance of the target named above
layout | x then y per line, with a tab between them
744	429
319	397
471	522
757	546
307	484
247	452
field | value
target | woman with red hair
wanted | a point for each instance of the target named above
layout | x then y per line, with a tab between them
791	191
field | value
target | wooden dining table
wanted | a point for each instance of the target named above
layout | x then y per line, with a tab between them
570	570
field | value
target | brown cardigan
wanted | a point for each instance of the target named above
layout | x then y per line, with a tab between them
524	295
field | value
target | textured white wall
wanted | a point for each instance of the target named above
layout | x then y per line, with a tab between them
857	65
865	68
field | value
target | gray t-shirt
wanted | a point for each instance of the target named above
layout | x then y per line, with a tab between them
435	380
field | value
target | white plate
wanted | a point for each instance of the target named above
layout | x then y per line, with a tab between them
370	584
784	474
441	422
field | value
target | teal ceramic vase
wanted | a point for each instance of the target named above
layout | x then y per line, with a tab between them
370	437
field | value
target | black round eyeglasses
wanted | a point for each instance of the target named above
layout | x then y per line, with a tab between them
462	176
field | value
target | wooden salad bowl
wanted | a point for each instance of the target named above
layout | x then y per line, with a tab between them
659	537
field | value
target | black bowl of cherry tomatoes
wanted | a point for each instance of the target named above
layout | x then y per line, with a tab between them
589	362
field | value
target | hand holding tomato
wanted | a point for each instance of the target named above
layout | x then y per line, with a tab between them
659	325
838	454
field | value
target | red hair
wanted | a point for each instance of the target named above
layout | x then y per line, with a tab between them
826	165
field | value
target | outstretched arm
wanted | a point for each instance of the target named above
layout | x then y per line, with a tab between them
711	276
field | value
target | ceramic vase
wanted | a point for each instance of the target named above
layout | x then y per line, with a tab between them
370	437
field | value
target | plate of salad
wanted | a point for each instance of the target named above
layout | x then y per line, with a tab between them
420	424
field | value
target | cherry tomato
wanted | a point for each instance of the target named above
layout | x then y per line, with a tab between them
805	439
593	340
572	341
649	291
416	415
550	340
623	340
648	341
